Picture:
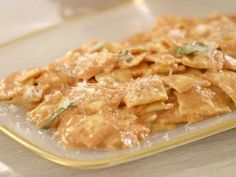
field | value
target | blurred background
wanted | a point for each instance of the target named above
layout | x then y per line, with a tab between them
21	17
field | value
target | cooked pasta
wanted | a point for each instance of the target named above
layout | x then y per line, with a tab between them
113	95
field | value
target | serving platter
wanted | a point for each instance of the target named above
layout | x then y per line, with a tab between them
114	24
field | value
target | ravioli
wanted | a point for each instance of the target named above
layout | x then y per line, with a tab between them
91	98
113	95
204	61
92	64
184	82
19	88
49	110
200	101
144	90
229	62
101	130
115	78
225	80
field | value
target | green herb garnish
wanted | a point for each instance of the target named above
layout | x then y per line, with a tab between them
125	55
192	48
57	113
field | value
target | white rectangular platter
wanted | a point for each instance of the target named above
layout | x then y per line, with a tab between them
114	24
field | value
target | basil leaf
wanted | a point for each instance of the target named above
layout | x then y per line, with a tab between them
57	113
192	48
125	55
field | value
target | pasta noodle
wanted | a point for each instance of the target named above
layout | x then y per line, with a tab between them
113	95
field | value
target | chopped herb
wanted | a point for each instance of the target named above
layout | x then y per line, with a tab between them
122	53
57	113
192	48
125	55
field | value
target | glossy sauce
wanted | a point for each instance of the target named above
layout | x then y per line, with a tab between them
113	95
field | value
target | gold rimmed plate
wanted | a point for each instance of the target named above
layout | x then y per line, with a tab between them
115	24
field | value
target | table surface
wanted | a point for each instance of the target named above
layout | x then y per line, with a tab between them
211	157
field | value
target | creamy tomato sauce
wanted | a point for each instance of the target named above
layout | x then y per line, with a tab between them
111	95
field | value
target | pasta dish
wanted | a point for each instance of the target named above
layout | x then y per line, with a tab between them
113	95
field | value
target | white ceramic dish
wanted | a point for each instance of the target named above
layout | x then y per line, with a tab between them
40	48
